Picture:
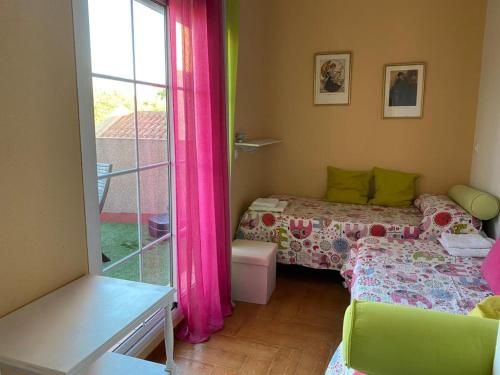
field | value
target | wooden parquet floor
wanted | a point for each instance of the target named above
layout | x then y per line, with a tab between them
295	333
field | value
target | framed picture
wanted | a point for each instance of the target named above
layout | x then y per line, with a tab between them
332	78
404	90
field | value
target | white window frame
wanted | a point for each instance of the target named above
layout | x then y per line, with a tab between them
87	133
151	331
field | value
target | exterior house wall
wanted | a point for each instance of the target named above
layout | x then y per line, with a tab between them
121	154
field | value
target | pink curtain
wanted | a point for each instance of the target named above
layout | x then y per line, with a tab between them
201	166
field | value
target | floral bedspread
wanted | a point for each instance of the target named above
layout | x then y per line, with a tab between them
337	367
320	234
417	273
442	215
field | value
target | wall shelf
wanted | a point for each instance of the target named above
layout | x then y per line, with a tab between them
257	143
252	145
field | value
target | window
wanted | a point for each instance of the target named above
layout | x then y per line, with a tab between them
123	95
130	141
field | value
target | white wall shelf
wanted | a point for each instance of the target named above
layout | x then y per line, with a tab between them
257	143
253	144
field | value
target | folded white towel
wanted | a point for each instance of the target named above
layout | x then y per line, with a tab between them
466	241
465	252
266	202
279	208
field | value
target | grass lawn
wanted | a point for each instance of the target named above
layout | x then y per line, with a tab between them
119	239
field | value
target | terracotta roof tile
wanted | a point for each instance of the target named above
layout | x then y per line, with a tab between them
151	125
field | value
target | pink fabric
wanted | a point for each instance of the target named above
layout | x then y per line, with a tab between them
201	166
491	268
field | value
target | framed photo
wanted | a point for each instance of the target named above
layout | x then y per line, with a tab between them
332	78
404	90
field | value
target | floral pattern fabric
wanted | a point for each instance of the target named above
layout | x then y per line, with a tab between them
336	365
320	234
417	273
441	214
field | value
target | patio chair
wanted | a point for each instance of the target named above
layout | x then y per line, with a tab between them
102	190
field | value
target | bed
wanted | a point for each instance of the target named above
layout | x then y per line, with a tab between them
417	273
320	234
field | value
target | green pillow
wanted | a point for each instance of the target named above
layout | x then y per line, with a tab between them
348	186
487	308
393	188
385	339
479	204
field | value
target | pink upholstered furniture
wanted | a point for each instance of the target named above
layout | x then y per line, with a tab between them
491	268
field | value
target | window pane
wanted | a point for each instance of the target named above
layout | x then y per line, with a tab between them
119	229
115	123
128	270
154	204
149	35
152	124
156	264
131	131
111	37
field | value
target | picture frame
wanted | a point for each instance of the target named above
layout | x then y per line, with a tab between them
403	90
332	78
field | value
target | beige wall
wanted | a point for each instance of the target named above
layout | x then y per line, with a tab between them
446	34
42	231
485	172
278	40
248	178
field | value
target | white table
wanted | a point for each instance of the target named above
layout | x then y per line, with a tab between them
68	330
116	364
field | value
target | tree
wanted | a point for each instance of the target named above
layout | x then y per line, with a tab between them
157	104
109	102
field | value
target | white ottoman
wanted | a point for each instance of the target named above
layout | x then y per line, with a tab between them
253	271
